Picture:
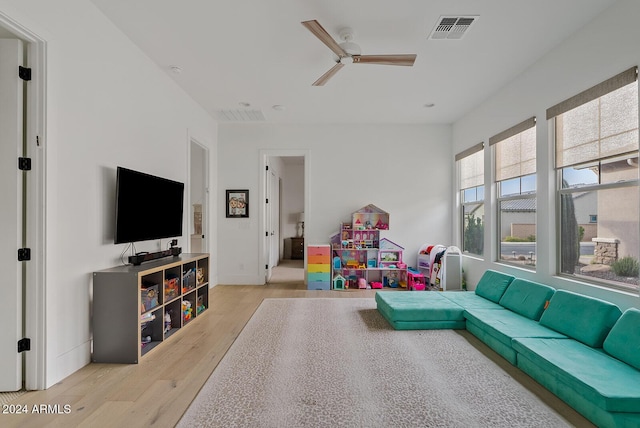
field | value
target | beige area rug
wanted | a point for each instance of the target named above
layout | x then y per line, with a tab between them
337	362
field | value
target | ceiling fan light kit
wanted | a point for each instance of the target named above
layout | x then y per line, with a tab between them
349	52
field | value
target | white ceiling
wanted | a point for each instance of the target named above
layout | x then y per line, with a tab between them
257	52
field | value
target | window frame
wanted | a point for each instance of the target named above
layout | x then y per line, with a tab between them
619	81
494	142
474	150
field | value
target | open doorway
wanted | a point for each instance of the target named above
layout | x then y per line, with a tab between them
284	186
198	197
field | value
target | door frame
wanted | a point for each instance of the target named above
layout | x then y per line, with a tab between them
205	203
264	156
35	370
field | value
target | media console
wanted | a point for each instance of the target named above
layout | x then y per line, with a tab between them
146	257
136	308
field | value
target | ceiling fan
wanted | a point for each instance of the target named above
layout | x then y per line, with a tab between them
349	52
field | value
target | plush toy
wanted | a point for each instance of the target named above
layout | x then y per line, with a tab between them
167	322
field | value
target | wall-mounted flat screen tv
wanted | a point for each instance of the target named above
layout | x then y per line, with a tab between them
147	207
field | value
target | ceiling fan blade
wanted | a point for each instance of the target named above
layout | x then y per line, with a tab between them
318	31
403	59
328	75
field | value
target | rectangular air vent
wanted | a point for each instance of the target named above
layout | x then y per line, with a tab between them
241	115
452	27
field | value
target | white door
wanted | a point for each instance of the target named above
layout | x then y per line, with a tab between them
274	205
268	223
11	217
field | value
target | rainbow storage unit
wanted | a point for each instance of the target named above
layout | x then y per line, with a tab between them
318	267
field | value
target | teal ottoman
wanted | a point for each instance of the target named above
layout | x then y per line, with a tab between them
409	310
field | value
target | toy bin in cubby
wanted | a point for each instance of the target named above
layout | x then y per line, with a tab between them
172	320
202	271
188	307
171	287
188	277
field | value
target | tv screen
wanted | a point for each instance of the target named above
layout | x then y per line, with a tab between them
147	207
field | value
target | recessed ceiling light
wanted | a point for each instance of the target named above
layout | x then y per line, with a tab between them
175	69
429	105
278	107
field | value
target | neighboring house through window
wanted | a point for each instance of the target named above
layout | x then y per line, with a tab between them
515	168
596	142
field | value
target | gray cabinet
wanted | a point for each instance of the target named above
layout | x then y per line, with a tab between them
136	308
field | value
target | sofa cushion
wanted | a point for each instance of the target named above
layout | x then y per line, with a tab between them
492	285
419	310
497	328
468	299
583	318
527	298
602	380
623	341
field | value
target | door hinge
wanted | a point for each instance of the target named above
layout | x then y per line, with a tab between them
24	344
267	167
24	254
24	73
266	233
24	164
267	200
266	266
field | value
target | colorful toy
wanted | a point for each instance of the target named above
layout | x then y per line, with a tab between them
337	264
362	283
186	310
415	280
376	284
200	306
389	254
339	282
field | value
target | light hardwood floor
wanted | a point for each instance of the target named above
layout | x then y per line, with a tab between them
157	391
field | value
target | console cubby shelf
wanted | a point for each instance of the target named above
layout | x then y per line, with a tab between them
136	308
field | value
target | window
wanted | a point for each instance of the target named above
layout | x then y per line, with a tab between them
596	139
515	163
471	173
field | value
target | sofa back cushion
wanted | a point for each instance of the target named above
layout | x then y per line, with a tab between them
527	298
623	342
580	317
492	285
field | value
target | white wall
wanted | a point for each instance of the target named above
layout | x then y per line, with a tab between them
107	105
403	169
603	48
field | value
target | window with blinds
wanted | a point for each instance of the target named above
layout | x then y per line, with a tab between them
471	187
515	172
596	156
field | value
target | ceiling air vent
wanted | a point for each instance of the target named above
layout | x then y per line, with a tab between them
452	27
241	115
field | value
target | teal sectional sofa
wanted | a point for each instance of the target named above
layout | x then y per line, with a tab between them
582	349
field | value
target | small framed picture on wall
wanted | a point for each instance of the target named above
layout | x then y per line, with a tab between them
237	203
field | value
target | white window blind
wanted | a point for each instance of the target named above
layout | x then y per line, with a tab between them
515	150
471	167
599	123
